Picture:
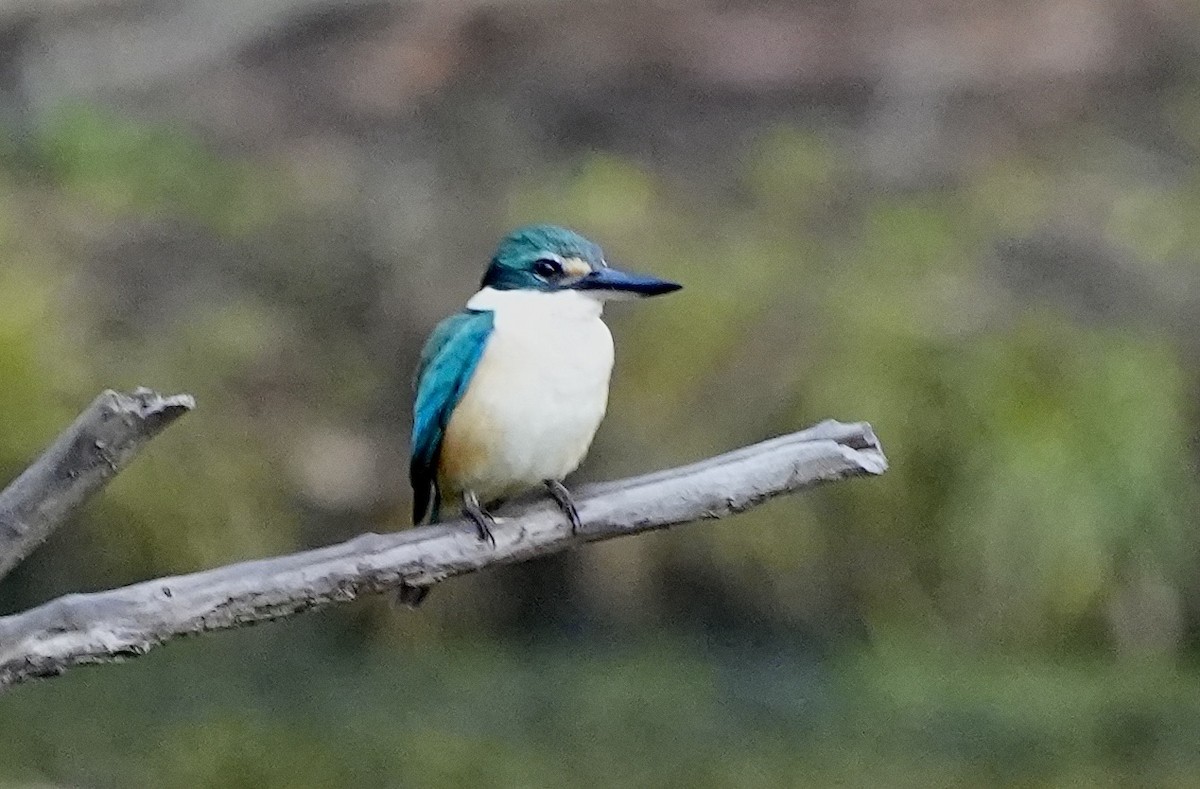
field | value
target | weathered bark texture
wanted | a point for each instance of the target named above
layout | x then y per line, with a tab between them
101	442
121	623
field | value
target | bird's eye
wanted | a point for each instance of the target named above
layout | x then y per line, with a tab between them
547	268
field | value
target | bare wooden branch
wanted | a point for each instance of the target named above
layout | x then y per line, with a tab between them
121	623
101	442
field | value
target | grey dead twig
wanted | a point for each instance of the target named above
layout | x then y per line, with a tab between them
113	625
99	443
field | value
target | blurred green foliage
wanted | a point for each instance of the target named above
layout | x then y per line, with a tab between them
1037	460
660	712
125	167
1008	604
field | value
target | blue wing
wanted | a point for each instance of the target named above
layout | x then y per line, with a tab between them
447	364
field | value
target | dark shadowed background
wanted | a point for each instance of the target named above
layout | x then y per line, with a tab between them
974	224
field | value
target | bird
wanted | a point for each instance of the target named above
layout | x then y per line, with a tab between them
511	390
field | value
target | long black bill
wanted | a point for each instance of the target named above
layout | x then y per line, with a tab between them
622	282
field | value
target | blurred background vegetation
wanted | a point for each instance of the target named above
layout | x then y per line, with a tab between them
972	224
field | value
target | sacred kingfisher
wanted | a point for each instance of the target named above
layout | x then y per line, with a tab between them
511	390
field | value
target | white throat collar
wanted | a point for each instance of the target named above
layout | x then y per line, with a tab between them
558	303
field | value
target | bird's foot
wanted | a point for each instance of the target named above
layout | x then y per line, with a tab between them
565	503
483	520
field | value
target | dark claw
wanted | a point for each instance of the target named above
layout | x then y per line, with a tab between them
565	503
483	520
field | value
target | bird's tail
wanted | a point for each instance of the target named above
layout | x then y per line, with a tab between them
411	596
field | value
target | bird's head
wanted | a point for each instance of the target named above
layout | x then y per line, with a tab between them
549	258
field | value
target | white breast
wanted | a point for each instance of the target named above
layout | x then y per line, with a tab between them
537	396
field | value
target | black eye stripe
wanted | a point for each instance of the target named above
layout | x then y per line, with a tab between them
547	267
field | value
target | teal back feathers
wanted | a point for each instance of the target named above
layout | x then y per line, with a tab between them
444	372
